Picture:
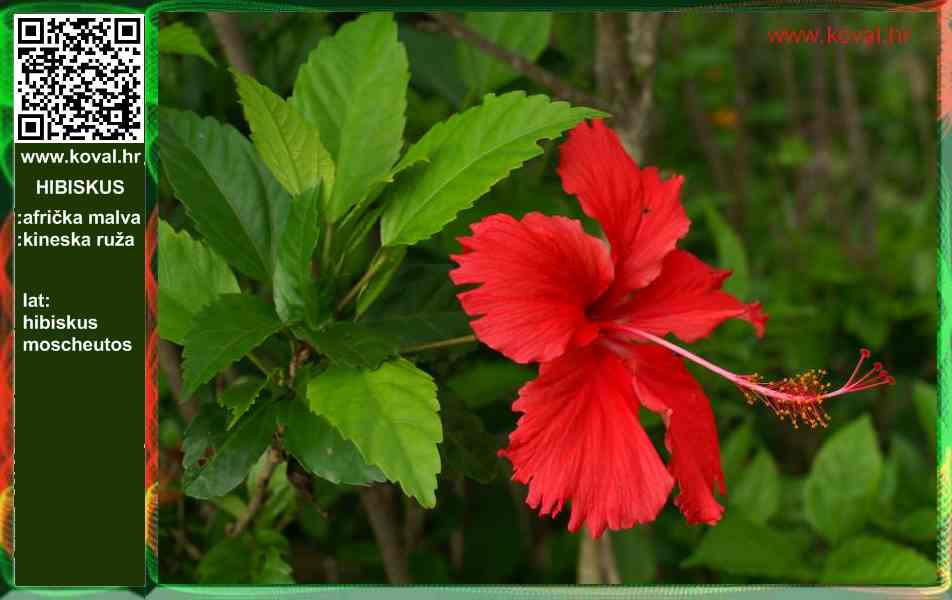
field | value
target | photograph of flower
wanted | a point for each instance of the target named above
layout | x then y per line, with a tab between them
547	298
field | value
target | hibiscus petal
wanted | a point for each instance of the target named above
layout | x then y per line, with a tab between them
538	276
640	213
664	385
686	300
580	440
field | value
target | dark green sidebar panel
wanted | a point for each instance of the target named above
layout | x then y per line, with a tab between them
80	355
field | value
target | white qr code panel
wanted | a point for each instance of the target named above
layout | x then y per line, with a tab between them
79	78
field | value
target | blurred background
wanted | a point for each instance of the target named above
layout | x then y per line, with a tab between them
810	171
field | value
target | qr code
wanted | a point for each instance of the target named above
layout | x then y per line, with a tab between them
79	78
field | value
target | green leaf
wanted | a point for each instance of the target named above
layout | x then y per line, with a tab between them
229	561
926	400
915	472
353	89
274	570
191	276
757	494
843	481
918	526
223	332
791	501
295	291
739	547
730	253
391	414
233	505
247	559
523	33
468	448
286	142
238	398
869	560
353	344
735	451
322	451
484	382
205	432
233	453
467	155
179	38
234	201
888	489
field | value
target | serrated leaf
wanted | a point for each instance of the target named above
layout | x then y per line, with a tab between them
869	560
469	449
289	145
223	332
179	38
730	252
466	155
295	291
843	481
757	494
739	547
523	33
352	344
322	451
191	275
353	89
238	398
392	415
234	201
233	453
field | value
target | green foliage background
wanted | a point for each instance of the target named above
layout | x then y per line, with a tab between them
810	171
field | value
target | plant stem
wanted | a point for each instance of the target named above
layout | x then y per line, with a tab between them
274	458
466	339
559	87
361	283
379	507
587	569
232	41
190	549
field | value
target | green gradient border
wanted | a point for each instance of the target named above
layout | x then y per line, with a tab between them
157	591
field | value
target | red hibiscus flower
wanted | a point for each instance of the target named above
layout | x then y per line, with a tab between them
595	317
